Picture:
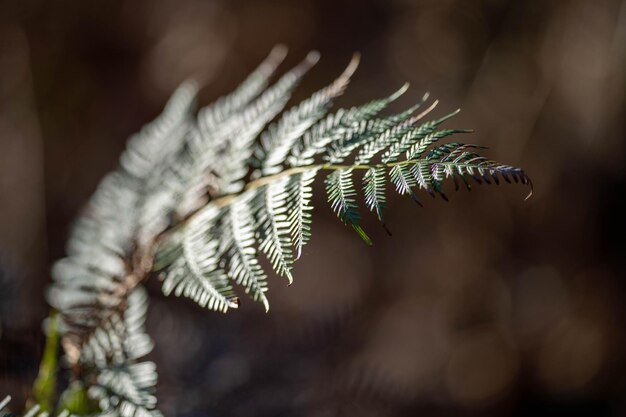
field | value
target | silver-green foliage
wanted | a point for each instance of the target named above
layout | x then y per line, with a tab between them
34	411
200	195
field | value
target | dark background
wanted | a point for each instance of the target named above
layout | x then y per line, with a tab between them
487	305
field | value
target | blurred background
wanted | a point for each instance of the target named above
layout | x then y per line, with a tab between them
487	305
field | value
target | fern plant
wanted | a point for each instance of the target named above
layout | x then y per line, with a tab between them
200	195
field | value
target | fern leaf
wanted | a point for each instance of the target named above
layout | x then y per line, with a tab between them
35	411
374	189
128	390
195	272
278	140
122	383
159	139
441	151
212	116
187	203
341	195
378	134
389	136
316	139
299	217
404	181
216	150
418	148
234	142
240	253
274	225
397	149
423	177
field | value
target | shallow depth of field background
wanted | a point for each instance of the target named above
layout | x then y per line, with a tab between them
487	305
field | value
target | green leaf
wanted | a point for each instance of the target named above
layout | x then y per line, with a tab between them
393	153
278	140
240	253
336	126
299	212
76	400
418	148
193	264
44	388
250	88
374	189
341	195
275	242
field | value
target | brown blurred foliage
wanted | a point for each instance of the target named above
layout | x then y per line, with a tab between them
487	305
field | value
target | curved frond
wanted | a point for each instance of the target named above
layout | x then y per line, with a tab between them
299	217
341	195
233	143
273	227
278	140
212	116
240	250
123	383
315	140
195	272
374	189
200	194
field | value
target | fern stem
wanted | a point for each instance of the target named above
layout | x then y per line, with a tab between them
260	182
324	167
45	384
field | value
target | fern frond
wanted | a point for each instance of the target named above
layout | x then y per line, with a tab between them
279	139
374	189
157	140
190	264
460	163
122	383
127	390
212	116
213	158
404	181
334	126
417	149
372	136
396	149
233	143
197	198
221	243
440	151
300	193
240	250
423	177
34	411
274	228
400	125
272	214
341	195
93	286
